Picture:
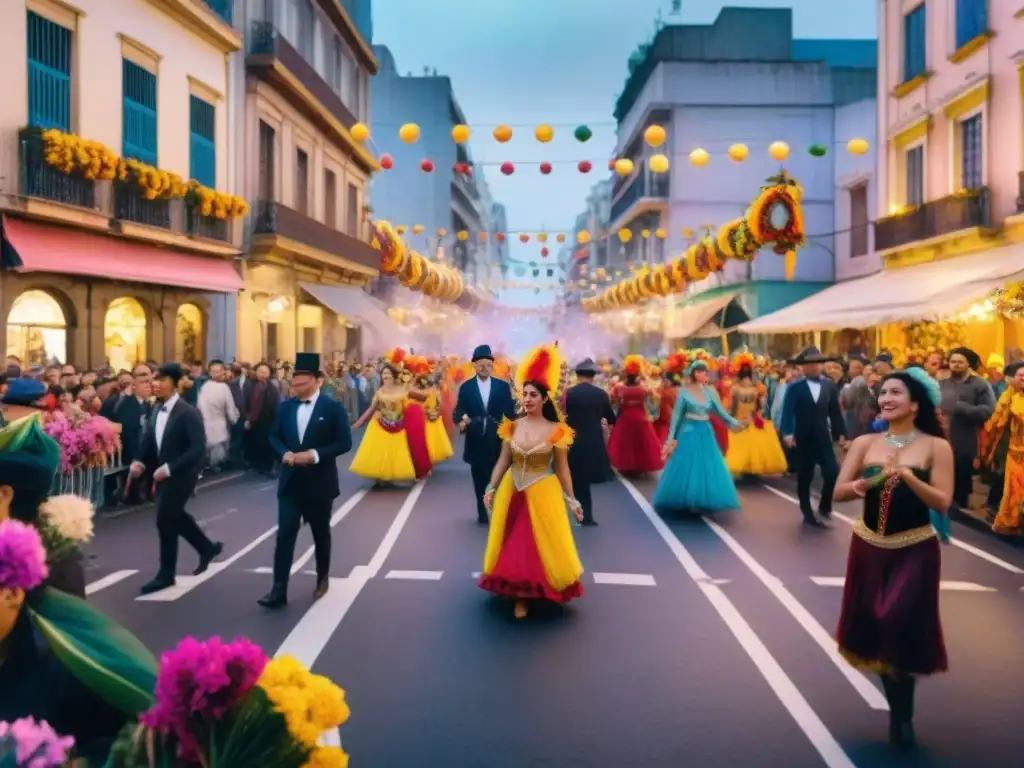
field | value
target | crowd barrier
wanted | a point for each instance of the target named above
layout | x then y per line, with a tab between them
88	482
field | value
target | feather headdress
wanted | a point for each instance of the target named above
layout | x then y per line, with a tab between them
741	359
675	363
633	365
544	365
396	357
418	365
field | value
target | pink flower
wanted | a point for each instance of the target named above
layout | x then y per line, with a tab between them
93	438
32	744
22	556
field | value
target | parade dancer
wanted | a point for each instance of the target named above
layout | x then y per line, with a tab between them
383	454
482	403
811	422
757	450
310	432
588	411
416	415
633	447
530	549
890	620
674	366
439	445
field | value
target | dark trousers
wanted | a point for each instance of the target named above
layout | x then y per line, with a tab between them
582	490
963	481
292	511
481	472
173	521
995	493
807	458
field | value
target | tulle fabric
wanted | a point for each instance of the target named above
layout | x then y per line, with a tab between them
383	456
633	447
416	433
756	451
696	477
439	445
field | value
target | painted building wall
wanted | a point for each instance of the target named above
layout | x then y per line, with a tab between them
856	120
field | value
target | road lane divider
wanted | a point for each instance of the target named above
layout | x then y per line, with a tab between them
415	575
108	581
959	543
948	586
391	537
625	579
830	750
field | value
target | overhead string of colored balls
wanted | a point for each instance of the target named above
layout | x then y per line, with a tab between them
654	135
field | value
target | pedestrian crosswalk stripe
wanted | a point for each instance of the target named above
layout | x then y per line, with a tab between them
415	575
625	579
108	581
949	586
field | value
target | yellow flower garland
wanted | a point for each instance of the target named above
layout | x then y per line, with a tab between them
69	154
219	205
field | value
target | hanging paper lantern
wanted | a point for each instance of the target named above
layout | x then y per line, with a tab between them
427	166
463	235
524	238
544	252
359	133
584	166
779	150
400	229
645	233
560	238
686	232
817	150
655	135
507	168
387	162
583	134
409	133
857	146
625	235
738	152
417	229
500	237
545	168
502	133
544	133
460	134
660	233
658	164
699	157
442	232
623	166
542	237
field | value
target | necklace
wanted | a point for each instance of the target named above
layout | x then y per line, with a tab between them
899	441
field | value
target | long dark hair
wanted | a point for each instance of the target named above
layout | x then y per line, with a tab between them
547	410
745	372
631	379
927	418
393	369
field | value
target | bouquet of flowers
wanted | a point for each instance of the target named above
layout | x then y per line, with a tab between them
65	523
22	568
89	442
225	705
28	744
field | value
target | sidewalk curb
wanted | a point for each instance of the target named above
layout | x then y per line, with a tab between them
970	521
119	512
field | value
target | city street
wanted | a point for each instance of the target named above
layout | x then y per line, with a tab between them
698	642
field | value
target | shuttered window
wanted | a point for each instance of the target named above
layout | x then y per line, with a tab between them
914	44
202	146
49	73
971	20
139	113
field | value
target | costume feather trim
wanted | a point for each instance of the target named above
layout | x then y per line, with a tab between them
396	356
633	365
506	429
562	436
543	364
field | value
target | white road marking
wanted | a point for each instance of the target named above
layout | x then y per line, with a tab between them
207	520
625	579
785	690
476	574
949	586
267	486
391	537
108	581
336	518
415	575
266	570
976	551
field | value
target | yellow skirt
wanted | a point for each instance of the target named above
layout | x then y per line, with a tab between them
439	445
383	455
756	452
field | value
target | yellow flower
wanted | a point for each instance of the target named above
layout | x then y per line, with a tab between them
327	757
310	704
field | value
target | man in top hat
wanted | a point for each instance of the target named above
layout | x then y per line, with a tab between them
588	410
811	422
309	433
482	403
174	450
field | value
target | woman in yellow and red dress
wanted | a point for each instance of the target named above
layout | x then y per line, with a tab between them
451	377
673	369
633	447
383	453
531	554
439	445
416	417
755	451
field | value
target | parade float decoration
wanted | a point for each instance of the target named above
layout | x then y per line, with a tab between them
924	338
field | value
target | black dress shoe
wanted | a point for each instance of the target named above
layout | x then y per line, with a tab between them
156	585
277	597
815	522
588	522
483	521
322	585
209	557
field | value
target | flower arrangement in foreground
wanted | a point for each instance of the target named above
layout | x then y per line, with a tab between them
87	443
22	568
65	523
224	705
28	744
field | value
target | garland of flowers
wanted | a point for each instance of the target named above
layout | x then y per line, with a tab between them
210	202
1009	301
83	443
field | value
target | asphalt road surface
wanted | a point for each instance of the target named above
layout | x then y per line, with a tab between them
699	642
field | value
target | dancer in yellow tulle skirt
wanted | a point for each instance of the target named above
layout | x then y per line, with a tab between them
438	442
755	450
383	454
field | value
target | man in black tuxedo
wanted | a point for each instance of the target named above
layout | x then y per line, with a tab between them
811	422
174	450
309	433
588	410
482	403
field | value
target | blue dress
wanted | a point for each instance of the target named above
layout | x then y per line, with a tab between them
696	476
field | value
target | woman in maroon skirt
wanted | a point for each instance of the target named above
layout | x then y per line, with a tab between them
890	618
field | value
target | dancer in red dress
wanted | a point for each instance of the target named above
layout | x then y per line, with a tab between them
673	369
633	447
416	419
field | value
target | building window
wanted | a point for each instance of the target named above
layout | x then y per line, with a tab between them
271	349
202	144
49	74
305	29
971	152
139	113
334	64
914	46
301	181
859	222
352	210
349	81
268	140
330	199
971	20
915	176
309	339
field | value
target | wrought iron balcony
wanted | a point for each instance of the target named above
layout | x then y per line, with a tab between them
272	218
939	217
37	178
131	205
207	226
642	186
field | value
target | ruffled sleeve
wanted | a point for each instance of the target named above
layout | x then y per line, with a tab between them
562	436
506	428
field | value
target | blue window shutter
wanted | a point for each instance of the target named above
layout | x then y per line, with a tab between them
139	113
914	43
971	20
49	74
202	142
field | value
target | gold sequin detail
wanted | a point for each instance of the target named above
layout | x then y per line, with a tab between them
895	540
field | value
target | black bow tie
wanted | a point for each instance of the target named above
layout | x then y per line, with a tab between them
306	402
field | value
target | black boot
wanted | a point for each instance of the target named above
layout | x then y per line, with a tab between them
277	597
901	728
889	685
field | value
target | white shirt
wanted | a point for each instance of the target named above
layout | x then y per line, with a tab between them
815	386
485	389
303	416
161	425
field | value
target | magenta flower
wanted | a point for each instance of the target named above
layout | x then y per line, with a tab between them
199	682
33	745
22	556
92	439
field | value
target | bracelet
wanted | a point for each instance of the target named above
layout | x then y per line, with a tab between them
489	488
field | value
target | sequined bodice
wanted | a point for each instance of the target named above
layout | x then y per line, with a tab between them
893	508
432	406
530	466
390	410
745	402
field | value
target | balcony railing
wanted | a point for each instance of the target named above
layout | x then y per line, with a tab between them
207	226
939	217
222	8
40	179
642	186
130	205
272	218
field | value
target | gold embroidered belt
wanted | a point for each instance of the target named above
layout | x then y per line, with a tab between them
696	417
893	541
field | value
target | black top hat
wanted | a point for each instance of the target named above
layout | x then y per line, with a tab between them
810	355
587	368
483	352
172	371
307	362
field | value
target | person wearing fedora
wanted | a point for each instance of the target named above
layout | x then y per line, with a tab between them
811	422
482	403
588	410
309	433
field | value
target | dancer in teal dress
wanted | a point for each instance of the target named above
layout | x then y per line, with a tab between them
696	476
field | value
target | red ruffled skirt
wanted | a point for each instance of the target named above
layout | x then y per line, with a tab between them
448	408
519	572
721	433
890	620
415	419
633	447
661	430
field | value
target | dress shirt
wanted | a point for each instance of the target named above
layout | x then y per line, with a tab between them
305	413
485	389
815	386
162	416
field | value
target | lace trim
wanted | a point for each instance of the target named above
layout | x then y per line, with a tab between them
894	541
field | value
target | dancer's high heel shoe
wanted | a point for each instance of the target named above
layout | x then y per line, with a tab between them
520	609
